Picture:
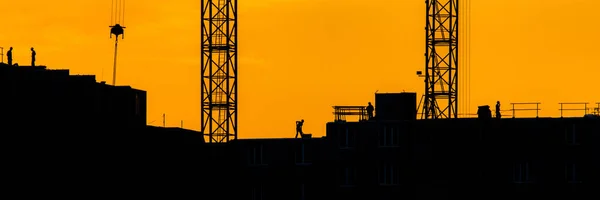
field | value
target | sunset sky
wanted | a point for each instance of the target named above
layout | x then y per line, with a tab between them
300	57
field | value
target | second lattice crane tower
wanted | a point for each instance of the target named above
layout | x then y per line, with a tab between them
441	60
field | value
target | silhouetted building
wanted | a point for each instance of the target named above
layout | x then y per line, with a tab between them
70	136
516	158
452	158
269	164
417	159
53	98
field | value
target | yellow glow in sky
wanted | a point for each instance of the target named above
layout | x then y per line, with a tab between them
300	57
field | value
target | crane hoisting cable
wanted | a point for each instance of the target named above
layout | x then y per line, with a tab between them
117	18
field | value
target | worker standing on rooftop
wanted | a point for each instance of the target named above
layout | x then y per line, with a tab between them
9	56
370	110
299	128
498	115
32	57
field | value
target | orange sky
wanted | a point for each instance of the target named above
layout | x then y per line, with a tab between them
300	57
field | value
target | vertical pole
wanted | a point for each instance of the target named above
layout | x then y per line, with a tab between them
537	110
561	110
115	62
513	110
236	71
202	57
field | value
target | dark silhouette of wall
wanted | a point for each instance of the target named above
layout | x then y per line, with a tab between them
417	159
53	98
71	137
512	158
68	136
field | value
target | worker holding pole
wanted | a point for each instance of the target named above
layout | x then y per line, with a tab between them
299	128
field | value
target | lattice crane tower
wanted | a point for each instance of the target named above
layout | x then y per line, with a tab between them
441	55
219	70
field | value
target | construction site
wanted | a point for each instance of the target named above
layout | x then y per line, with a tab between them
407	148
71	136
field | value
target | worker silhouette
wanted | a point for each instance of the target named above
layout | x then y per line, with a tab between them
370	111
9	56
32	57
498	115
299	128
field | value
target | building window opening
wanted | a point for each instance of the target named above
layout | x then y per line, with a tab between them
302	157
389	137
347	138
521	173
256	155
257	192
571	135
389	174
348	176
571	173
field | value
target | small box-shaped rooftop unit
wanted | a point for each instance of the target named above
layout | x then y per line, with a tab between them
396	106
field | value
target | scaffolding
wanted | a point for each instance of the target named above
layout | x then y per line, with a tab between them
341	112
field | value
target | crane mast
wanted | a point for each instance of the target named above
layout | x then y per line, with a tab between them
441	55
219	68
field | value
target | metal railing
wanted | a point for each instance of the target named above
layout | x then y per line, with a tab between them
502	113
536	109
535	106
584	109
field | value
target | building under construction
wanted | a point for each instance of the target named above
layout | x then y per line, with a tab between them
92	138
71	137
396	156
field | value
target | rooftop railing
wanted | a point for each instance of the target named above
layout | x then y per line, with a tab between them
526	106
520	107
582	107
